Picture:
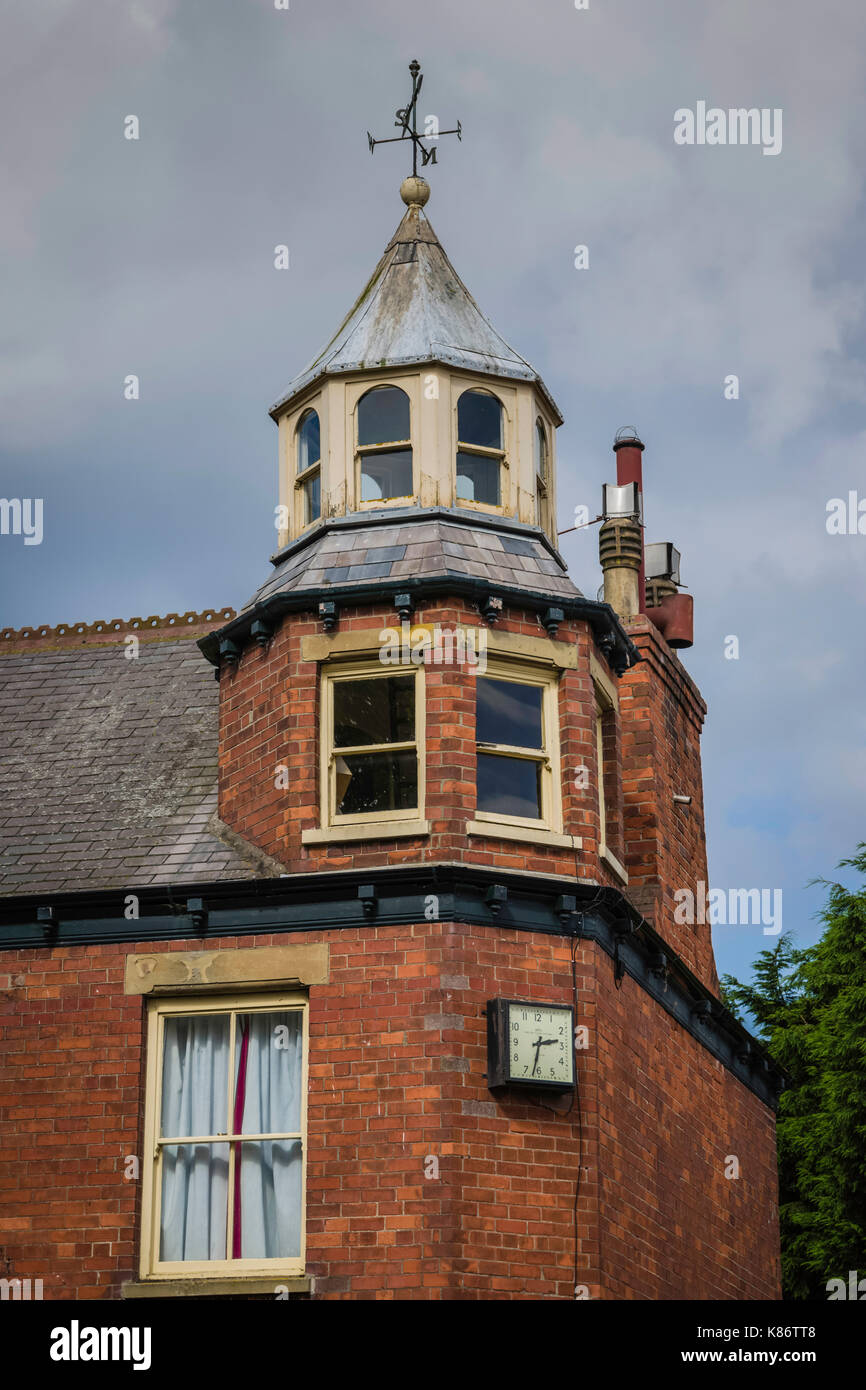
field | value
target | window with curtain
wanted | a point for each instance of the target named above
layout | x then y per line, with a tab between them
372	744
226	1119
384	445
516	746
480	448
309	474
542	478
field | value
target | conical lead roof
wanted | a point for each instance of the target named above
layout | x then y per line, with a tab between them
416	309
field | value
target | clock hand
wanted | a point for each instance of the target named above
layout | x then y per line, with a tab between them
537	1055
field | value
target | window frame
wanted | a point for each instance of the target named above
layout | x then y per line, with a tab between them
606	713
160	1007
542	477
362	451
480	451
295	492
364	670
600	710
548	678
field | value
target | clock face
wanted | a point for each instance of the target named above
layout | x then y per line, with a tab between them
540	1044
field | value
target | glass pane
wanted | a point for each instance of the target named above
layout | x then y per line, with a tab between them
378	710
386	475
508	712
540	450
383	416
312	500
267	1072
479	420
309	447
194	1202
509	786
267	1200
377	782
195	1075
478	479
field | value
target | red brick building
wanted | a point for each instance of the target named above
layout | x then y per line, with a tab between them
355	972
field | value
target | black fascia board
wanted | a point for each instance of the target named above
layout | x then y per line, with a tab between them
329	901
602	619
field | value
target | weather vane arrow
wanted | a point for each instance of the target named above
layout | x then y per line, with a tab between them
407	120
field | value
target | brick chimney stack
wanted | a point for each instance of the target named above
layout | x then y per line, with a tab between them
625	557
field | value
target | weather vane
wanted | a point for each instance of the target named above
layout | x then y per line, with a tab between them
407	120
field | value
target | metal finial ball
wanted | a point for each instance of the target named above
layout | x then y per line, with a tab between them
414	189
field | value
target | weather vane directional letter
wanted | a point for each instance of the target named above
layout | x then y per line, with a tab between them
407	120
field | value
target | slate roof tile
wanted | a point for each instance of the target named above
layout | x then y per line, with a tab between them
111	778
424	546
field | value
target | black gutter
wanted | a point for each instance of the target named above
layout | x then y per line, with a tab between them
608	632
552	904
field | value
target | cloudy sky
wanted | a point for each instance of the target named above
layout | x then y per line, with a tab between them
155	257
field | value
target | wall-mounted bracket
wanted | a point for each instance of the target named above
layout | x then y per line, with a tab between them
496	897
491	608
551	619
565	908
658	965
230	654
405	606
261	633
47	919
196	909
368	898
329	615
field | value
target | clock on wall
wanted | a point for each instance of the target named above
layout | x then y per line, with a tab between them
530	1045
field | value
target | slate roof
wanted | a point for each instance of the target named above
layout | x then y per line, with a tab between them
416	309
108	770
422	546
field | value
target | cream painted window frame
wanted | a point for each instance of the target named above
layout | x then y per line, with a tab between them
364	670
298	480
503	454
542	479
604	703
358	452
600	711
605	700
530	673
159	1008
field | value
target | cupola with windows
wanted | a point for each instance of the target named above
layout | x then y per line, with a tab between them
417	452
416	402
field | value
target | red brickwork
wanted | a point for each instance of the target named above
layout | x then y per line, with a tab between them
269	717
662	715
397	1056
421	1183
